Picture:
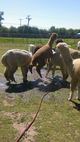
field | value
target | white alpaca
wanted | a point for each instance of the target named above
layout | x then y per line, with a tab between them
73	67
57	60
13	59
74	53
78	45
31	47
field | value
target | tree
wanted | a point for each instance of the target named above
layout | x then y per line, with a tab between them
1	18
52	29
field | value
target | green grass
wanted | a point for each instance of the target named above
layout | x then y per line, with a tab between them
58	119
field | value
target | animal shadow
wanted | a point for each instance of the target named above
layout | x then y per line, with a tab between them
77	105
21	87
56	83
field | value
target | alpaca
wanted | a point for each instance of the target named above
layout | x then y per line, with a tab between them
40	62
57	60
33	48
13	59
73	67
74	53
43	54
78	45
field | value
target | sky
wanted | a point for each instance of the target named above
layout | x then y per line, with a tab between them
43	13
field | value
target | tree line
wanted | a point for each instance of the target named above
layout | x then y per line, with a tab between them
34	32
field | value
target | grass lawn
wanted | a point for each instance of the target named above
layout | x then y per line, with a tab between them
58	119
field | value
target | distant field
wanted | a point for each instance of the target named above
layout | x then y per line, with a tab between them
58	119
23	43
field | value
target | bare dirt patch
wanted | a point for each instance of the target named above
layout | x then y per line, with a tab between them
20	127
29	136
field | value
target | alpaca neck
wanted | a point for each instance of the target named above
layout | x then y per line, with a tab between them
69	64
50	42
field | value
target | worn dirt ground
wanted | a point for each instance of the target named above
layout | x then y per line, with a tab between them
34	83
34	86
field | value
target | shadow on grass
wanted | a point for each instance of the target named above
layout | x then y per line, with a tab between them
77	105
56	83
21	87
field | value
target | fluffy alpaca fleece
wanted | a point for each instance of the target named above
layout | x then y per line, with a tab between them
74	53
33	48
41	56
39	62
73	67
78	45
57	60
13	59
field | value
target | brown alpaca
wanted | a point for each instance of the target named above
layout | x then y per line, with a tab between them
44	53
73	67
13	59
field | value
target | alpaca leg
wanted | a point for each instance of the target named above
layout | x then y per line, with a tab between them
72	88
30	68
38	69
24	70
6	74
49	66
64	72
13	70
53	70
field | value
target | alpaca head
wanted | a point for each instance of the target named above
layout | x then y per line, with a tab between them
52	39
59	40
63	48
53	36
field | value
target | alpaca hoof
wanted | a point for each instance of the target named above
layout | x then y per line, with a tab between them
8	83
69	99
65	77
14	80
25	81
78	98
